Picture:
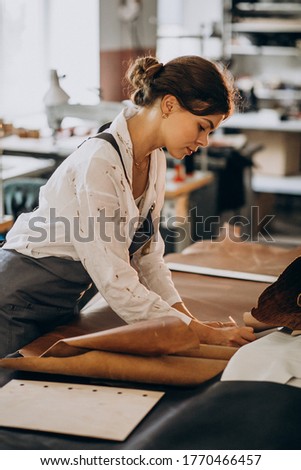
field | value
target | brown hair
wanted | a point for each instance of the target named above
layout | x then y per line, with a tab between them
201	86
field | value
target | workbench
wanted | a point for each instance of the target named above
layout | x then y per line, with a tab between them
214	415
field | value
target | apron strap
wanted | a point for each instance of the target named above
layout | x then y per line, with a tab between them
146	229
111	139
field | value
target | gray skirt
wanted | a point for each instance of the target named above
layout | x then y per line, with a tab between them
36	295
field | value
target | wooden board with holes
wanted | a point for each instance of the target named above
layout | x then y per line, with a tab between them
86	410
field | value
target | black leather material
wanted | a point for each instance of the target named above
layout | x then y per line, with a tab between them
215	415
229	415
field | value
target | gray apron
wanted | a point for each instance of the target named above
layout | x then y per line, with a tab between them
38	294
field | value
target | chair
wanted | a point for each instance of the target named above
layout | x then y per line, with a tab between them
22	195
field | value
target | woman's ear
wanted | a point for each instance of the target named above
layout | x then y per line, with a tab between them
169	103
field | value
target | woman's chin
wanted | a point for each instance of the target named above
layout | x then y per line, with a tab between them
178	154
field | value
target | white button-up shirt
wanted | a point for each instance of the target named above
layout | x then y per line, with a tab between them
87	213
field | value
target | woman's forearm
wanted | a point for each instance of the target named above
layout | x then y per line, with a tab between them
181	307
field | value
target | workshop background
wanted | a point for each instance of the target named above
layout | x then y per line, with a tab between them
62	64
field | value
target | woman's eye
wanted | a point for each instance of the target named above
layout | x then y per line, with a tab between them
201	128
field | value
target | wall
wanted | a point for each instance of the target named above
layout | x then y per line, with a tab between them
186	27
121	41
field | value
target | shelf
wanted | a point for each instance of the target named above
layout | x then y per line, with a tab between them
180	36
261	27
285	94
267	7
267	25
268	35
264	120
263	50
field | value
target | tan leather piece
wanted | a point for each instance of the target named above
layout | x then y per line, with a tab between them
163	370
166	335
210	351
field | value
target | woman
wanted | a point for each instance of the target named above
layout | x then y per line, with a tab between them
84	227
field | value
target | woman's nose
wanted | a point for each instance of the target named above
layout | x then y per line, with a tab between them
203	140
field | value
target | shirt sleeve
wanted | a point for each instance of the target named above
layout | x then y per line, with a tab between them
102	242
153	272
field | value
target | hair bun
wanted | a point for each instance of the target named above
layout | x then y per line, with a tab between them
143	70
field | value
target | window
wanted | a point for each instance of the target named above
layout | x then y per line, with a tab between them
39	35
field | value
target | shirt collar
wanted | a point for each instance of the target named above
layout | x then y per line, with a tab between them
121	133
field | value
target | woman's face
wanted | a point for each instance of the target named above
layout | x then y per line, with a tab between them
184	132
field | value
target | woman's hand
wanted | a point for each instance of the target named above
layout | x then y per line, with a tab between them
223	335
249	320
216	332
